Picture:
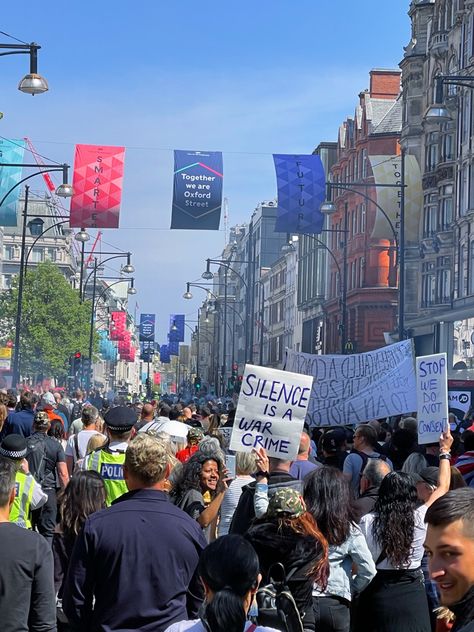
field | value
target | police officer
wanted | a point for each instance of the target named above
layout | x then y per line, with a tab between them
28	493
108	460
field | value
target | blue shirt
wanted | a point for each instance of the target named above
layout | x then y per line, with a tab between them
19	423
137	559
299	469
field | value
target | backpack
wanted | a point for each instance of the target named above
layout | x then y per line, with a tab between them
365	457
36	456
76	410
276	605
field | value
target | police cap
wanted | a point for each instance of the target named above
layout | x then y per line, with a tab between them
120	419
13	447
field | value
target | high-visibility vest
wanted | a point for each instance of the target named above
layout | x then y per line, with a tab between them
20	510
109	464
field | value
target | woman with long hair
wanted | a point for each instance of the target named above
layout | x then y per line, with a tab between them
202	475
396	601
84	495
289	534
229	571
328	497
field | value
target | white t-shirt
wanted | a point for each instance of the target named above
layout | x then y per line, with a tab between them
414	561
197	626
82	441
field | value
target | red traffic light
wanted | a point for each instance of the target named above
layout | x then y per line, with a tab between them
78	354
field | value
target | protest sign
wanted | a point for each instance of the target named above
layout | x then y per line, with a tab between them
351	389
432	395
271	411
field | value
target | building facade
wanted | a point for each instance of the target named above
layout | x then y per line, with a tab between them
366	265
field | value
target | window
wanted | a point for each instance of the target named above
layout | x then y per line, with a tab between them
361	271
430	214
364	163
431	151
447	143
362	218
446	207
443	280
9	252
428	285
50	254
37	255
6	281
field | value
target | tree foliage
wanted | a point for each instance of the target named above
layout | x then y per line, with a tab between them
54	324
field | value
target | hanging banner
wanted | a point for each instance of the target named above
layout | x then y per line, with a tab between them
97	184
118	325
147	328
432	395
387	170
164	354
173	346
177	327
351	389
197	191
271	411
301	185
12	152
156	379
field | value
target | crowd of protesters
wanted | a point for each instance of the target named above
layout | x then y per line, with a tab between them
121	516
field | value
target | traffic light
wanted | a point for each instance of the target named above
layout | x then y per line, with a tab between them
197	383
77	363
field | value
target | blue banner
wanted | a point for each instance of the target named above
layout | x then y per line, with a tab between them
147	327
164	354
197	191
147	350
301	191
173	346
11	151
176	327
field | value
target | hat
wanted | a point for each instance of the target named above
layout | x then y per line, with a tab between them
195	434
428	475
286	501
13	447
120	419
41	419
48	398
333	440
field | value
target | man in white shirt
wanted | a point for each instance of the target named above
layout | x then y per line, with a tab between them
76	447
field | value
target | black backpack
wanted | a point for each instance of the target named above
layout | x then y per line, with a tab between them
276	605
76	410
36	456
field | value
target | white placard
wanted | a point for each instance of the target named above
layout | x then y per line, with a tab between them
351	389
271	411
432	396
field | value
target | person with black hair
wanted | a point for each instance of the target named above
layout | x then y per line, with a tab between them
21	422
201	474
465	462
395	533
327	494
365	447
229	572
450	547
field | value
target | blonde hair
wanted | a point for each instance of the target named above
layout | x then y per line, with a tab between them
96	441
147	458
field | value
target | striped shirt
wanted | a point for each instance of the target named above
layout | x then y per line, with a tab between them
230	502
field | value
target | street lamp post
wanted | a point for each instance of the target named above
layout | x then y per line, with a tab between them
64	190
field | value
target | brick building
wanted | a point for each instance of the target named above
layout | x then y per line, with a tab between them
371	276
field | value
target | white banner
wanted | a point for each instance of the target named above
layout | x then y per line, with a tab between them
351	389
271	411
432	394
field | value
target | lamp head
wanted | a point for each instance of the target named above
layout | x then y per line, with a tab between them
207	275
187	295
437	113
82	236
65	190
128	269
328	208
33	83
131	290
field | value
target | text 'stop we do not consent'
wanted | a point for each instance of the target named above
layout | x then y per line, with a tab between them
271	411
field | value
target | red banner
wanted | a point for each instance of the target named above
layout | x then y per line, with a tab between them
156	379
118	325
97	184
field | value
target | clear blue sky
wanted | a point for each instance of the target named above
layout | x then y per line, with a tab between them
249	78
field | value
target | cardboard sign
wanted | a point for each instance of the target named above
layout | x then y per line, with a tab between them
432	396
351	389
271	411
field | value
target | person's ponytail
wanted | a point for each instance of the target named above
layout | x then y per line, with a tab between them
225	613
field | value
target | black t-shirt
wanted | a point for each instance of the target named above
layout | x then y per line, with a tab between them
27	596
45	467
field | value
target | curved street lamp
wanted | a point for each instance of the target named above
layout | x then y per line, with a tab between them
32	83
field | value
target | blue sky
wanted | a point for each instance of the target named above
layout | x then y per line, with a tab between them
247	78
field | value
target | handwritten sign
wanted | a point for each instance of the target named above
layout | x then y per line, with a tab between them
271	411
432	395
351	389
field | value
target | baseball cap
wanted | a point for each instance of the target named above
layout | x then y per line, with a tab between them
428	475
333	440
286	501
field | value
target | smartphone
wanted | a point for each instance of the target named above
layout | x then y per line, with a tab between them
230	465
